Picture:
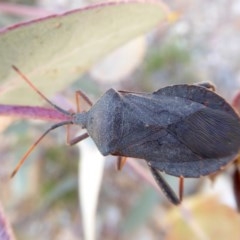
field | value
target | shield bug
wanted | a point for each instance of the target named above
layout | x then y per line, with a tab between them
182	130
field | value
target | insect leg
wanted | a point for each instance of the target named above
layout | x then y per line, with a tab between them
207	85
120	162
76	139
78	95
167	190
181	187
236	184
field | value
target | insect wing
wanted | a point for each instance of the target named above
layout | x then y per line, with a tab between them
179	129
198	95
209	133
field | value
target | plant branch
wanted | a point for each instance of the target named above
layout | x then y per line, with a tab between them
30	112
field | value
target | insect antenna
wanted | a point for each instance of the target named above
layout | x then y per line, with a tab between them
22	160
39	93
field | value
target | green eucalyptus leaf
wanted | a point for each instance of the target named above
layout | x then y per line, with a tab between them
55	50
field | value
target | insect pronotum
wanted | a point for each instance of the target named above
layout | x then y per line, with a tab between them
182	130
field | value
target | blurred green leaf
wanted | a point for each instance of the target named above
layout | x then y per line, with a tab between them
141	210
174	51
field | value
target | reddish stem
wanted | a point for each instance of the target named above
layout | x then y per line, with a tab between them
29	112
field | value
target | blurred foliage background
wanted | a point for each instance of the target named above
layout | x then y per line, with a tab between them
42	201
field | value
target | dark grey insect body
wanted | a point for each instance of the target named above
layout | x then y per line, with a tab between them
182	130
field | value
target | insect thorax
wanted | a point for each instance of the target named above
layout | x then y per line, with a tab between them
104	121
